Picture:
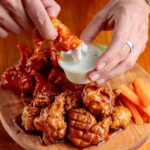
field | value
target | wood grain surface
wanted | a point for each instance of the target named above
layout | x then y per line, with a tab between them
75	14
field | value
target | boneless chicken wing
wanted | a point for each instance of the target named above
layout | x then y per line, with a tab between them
31	113
40	101
121	117
53	121
98	100
84	129
44	87
72	99
64	41
28	115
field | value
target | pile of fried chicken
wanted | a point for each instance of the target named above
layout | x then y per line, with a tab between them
85	118
84	114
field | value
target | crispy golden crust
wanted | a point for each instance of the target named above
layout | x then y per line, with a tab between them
72	99
98	100
121	117
28	115
84	130
54	121
40	101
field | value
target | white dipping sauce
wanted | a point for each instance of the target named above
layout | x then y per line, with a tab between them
76	66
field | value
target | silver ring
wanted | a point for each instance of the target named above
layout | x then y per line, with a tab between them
130	45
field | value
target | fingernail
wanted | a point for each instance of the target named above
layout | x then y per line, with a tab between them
101	66
94	76
101	81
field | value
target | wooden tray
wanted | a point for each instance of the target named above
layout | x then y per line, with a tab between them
131	138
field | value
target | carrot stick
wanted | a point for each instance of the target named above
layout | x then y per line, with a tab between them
146	110
143	110
129	95
142	91
131	87
145	117
135	114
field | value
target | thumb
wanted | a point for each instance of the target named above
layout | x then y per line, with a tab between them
94	27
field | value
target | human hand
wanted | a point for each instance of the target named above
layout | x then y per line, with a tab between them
129	21
18	15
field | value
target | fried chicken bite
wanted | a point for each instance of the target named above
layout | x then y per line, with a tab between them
15	77
72	99
84	129
121	117
40	101
38	123
38	61
53	121
64	41
17	80
28	115
44	87
98	100
25	53
31	114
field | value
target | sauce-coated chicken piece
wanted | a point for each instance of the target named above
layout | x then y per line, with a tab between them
121	117
39	61
84	129
32	112
44	87
28	115
72	99
64	41
98	100
53	121
40	101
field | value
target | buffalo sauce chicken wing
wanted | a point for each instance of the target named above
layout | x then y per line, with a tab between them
53	121
84	129
98	100
28	115
64	41
121	117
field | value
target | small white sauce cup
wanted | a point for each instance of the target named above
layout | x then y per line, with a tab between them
76	71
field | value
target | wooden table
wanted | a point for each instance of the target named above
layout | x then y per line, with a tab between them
75	14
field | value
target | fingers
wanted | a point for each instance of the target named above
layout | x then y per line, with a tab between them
116	52
127	64
7	22
3	33
51	7
18	13
94	27
38	14
120	35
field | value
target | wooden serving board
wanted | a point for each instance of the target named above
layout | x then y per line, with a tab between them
130	138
